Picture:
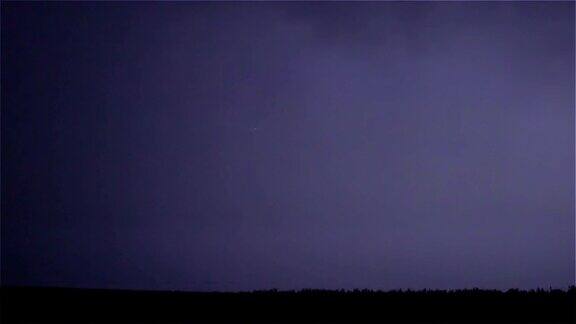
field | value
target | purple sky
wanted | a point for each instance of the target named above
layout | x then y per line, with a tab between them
240	146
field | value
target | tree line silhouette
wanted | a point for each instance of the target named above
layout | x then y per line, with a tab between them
69	305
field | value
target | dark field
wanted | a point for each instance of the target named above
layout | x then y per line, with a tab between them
56	305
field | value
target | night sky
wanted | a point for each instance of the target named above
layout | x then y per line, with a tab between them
240	146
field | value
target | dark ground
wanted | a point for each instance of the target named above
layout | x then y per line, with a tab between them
58	305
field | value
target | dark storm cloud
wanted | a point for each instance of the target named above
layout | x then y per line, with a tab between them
288	145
